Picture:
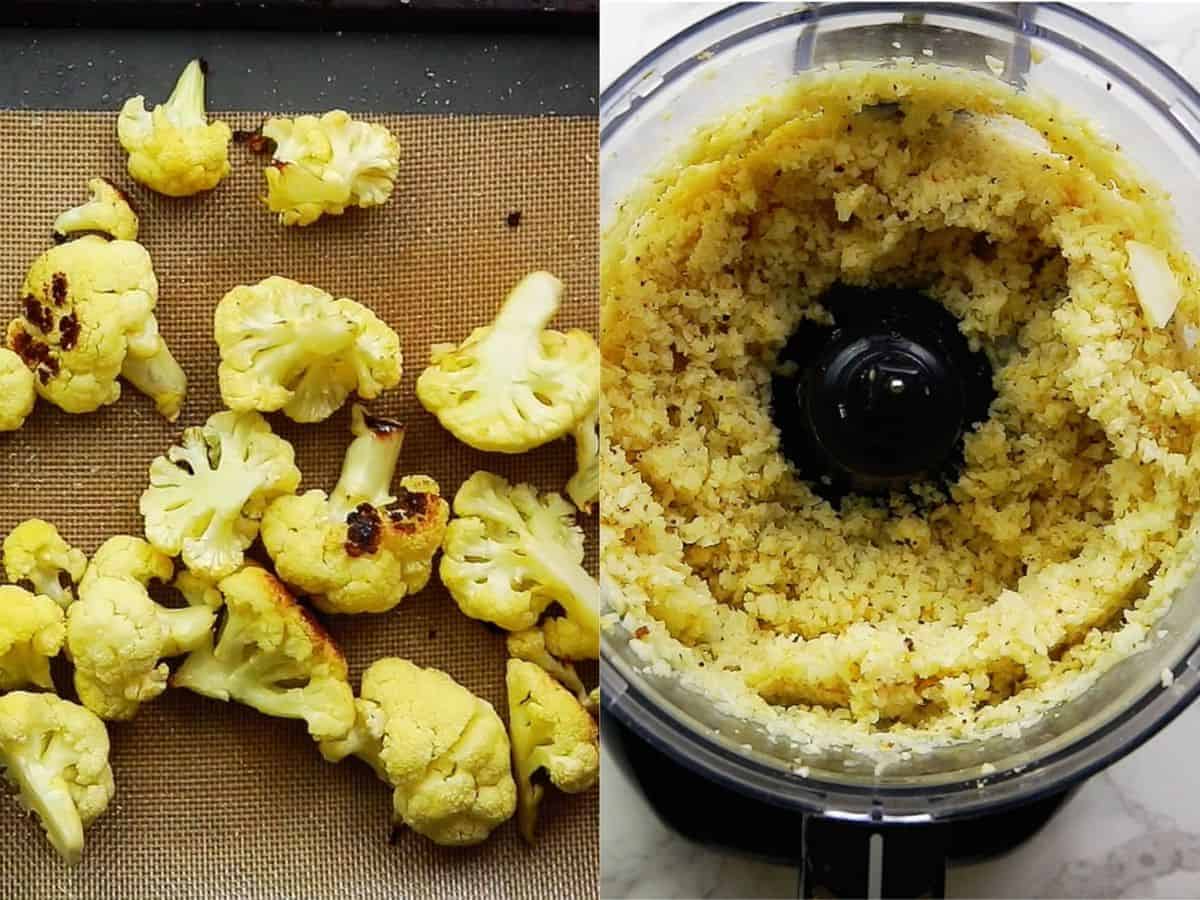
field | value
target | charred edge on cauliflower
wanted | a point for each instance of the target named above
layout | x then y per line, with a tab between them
40	317
409	506
365	528
68	331
255	141
36	355
58	288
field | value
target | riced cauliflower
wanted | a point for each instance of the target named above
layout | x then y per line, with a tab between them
108	212
322	165
87	318
117	636
272	655
17	391
31	633
511	553
293	347
175	150
515	384
443	750
36	554
207	495
55	754
961	607
552	734
361	549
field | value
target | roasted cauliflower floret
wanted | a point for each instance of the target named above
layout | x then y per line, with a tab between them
514	385
323	165
117	636
511	553
272	655
207	495
36	554
175	150
107	212
361	549
551	733
292	347
530	645
17	391
88	317
55	753
443	750
31	632
584	486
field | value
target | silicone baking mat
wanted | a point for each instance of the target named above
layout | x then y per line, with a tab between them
214	800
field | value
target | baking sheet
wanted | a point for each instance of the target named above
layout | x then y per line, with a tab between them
215	800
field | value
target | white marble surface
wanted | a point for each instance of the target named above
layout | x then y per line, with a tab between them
1133	831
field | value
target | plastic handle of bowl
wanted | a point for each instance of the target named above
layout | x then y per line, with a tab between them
842	858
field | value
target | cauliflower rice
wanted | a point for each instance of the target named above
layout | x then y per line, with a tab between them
884	622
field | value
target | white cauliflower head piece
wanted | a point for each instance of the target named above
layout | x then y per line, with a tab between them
511	552
272	655
108	212
175	150
31	633
514	385
117	635
17	391
363	549
36	554
443	750
323	165
292	347
207	495
88	317
584	486
55	753
551	733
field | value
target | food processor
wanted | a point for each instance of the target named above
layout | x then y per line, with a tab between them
855	829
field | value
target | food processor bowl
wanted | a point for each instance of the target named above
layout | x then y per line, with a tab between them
735	57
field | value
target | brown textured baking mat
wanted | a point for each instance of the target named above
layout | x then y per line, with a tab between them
214	800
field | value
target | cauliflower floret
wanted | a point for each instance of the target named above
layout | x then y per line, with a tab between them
207	495
292	347
514	385
35	553
363	549
88	317
323	165
530	645
511	553
271	654
584	486
117	635
17	391
552	733
31	632
175	150
442	749
55	754
108	212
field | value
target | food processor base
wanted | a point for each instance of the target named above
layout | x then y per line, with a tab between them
708	813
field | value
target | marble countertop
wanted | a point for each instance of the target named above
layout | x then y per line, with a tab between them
1132	831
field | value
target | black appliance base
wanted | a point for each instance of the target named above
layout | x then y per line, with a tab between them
710	814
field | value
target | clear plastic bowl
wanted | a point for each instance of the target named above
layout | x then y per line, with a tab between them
736	56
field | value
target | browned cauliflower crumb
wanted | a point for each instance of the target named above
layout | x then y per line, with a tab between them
1073	519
